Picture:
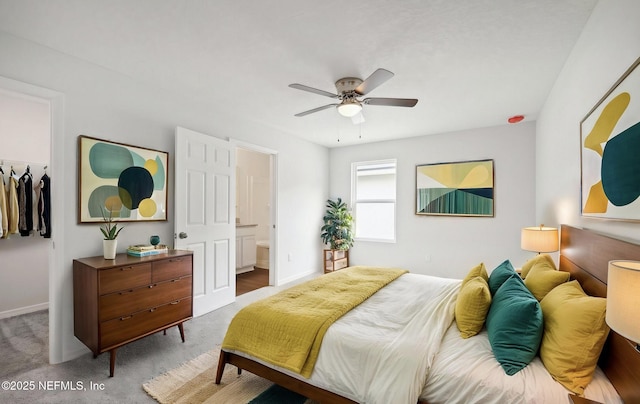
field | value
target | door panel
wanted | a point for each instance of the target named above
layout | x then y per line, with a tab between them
204	220
222	201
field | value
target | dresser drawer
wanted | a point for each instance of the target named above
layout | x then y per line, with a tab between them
123	303
119	330
171	268
125	277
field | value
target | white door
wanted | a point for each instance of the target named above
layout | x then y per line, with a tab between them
205	216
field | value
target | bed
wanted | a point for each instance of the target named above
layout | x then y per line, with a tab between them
444	367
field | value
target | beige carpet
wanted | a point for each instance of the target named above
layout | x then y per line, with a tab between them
194	382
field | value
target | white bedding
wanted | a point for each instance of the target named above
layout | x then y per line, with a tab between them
383	351
380	352
461	363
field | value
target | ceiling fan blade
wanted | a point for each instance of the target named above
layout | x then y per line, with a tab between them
378	77
312	90
311	111
393	102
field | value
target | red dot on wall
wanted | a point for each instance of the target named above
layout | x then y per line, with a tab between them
516	118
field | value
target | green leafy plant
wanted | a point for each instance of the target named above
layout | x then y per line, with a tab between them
109	229
337	230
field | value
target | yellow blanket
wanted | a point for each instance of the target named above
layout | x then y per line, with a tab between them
287	329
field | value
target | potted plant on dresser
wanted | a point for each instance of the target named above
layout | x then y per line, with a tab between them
337	232
110	232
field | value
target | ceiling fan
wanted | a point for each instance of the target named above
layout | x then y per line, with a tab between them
350	89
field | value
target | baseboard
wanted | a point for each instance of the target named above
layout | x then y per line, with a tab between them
297	277
243	270
24	310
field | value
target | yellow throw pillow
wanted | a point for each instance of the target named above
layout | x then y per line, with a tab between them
574	333
538	258
543	277
478	270
472	306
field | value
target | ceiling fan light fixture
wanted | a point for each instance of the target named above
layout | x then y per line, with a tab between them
349	108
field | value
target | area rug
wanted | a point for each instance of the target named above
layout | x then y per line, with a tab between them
194	382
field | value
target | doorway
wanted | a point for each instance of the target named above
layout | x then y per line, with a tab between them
40	111
255	235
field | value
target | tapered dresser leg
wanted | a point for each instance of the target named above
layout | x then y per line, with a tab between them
112	362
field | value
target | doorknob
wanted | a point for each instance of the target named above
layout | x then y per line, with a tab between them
182	235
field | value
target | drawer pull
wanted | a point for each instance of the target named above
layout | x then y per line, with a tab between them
124	292
125	318
175	260
176	302
126	269
152	310
151	286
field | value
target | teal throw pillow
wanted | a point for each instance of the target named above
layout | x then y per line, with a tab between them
500	274
514	325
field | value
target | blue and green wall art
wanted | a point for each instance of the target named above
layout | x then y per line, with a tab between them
125	182
610	152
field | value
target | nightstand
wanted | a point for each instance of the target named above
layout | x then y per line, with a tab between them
581	400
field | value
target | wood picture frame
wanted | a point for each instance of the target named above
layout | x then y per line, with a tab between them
126	182
455	189
609	143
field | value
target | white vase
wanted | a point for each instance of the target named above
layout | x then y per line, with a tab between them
109	247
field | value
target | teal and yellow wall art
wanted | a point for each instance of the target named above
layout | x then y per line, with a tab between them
610	152
455	189
125	182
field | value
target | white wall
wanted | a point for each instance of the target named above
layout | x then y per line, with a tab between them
25	134
253	203
454	244
104	104
608	45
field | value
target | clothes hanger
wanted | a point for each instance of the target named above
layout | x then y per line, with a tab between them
27	172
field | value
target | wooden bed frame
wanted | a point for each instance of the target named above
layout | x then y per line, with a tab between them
586	255
583	253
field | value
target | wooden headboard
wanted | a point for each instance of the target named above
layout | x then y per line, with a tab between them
586	254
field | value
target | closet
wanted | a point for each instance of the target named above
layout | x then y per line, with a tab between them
25	149
25	201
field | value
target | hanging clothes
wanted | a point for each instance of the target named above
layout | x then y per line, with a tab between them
25	203
4	222
43	193
13	211
37	213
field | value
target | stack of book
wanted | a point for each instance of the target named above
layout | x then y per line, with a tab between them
143	250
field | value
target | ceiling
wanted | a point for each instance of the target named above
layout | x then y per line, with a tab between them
471	63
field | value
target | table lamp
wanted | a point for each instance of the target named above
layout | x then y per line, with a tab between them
623	299
539	239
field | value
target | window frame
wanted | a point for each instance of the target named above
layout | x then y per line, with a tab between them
355	201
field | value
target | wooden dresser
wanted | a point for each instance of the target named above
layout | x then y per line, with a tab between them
121	300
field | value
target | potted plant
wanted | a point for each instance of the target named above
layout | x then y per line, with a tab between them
337	231
110	232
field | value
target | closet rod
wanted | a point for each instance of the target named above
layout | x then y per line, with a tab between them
7	162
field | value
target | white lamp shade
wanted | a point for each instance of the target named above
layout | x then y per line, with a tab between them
349	108
623	298
539	239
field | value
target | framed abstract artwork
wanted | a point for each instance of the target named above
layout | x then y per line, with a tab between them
455	189
609	145
125	182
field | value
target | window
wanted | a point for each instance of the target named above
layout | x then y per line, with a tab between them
373	194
